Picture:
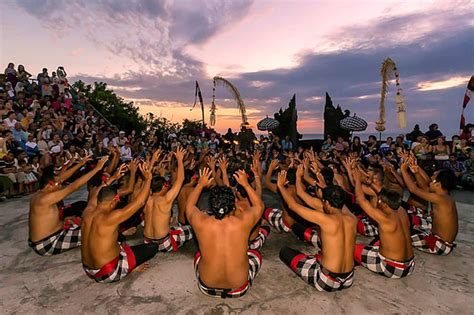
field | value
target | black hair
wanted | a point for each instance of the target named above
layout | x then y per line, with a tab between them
447	179
242	191
106	194
391	198
48	175
96	180
221	201
188	175
291	176
157	183
328	175
335	195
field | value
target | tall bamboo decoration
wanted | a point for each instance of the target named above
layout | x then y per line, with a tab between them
389	69
236	95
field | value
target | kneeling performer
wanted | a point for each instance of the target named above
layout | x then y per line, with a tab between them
393	258
103	258
158	212
225	266
334	269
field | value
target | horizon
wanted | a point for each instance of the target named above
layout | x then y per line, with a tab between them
152	52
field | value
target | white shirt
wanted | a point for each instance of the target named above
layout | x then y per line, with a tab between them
9	123
126	153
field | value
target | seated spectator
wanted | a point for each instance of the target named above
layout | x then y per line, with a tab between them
8	169
441	149
11	74
423	148
10	121
341	145
356	145
372	145
414	134
126	152
467	178
433	133
10	143
19	134
457	167
287	144
327	146
31	147
384	147
23	75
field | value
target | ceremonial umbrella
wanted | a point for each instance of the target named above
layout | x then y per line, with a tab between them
353	123
268	124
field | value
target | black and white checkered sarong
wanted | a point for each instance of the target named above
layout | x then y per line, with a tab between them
258	242
174	240
275	218
366	227
370	257
255	262
430	243
56	243
115	270
312	272
418	219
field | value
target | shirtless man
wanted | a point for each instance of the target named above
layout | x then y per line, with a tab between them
334	269
48	235
158	212
393	256
225	267
440	239
103	258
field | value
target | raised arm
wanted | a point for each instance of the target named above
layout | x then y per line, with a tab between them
71	170
192	211
115	159
314	203
414	189
306	213
257	172
120	215
59	195
257	204
174	190
127	189
223	168
268	177
371	211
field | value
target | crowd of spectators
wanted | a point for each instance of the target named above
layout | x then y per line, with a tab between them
44	121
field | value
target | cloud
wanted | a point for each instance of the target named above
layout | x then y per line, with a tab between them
433	50
152	33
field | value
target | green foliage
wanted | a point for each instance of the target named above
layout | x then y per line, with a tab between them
192	127
122	114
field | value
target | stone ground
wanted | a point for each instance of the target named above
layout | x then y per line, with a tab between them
30	284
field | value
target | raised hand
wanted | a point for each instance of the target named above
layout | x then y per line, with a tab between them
274	164
87	158
102	161
119	173
211	162
223	163
281	181
156	156
205	178
299	170
180	153
145	169
241	178
134	165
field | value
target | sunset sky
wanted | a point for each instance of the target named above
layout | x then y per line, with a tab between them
151	52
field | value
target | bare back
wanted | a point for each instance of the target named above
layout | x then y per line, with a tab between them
99	240
338	241
43	219
223	245
182	200
445	219
157	217
395	239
